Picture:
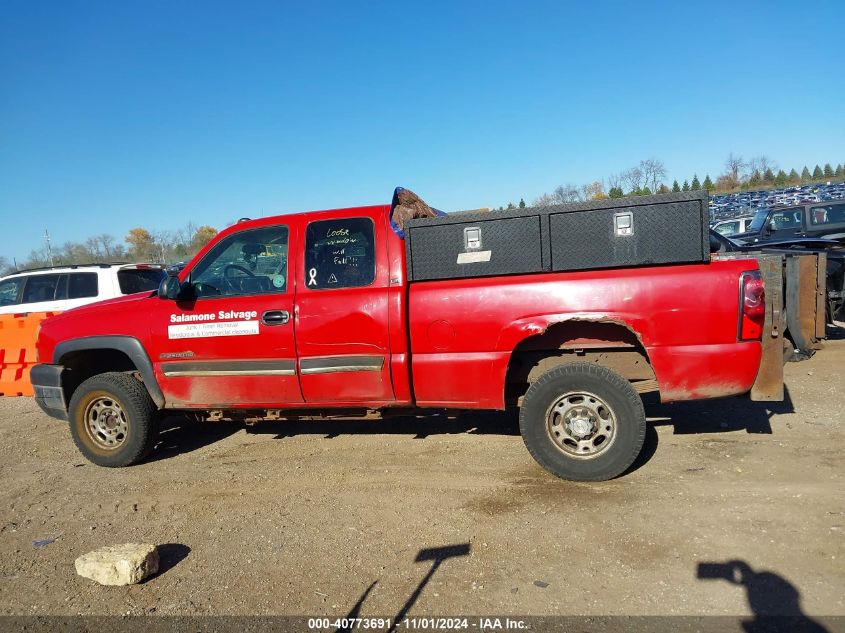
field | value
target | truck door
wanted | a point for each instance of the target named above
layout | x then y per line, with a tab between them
234	343
341	311
786	223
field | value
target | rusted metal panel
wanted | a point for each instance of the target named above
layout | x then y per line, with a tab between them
808	266
769	383
821	295
801	301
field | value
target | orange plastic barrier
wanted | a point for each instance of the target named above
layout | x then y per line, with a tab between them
18	333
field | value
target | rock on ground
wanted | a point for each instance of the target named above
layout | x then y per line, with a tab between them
126	564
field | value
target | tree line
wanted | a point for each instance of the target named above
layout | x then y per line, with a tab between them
139	245
648	177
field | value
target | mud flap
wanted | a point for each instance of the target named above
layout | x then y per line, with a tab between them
769	383
805	301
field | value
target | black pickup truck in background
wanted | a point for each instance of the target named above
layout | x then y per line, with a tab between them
797	291
819	219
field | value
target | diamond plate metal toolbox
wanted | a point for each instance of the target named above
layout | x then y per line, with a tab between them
636	231
477	245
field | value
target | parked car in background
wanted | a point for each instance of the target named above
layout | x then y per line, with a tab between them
60	288
826	220
731	227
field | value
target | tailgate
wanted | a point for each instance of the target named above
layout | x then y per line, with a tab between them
795	310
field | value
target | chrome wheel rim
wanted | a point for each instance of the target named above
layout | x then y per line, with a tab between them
105	423
581	424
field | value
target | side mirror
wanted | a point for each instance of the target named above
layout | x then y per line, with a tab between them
767	228
169	288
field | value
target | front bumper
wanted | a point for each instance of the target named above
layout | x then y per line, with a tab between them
49	394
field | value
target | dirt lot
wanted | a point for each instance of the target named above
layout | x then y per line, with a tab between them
304	518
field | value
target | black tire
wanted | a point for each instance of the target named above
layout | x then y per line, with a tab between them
101	400
561	387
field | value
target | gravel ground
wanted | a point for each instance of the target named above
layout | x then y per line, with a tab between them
309	518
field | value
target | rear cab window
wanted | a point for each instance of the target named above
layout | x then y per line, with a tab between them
340	254
132	280
827	214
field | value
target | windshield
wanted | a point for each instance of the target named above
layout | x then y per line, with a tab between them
759	220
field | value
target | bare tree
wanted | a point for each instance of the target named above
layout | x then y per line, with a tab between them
653	171
74	253
164	244
760	164
546	200
95	249
633	178
735	167
37	258
614	181
568	193
594	191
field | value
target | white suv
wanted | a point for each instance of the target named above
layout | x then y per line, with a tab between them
61	288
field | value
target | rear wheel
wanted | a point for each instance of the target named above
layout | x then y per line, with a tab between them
582	421
113	420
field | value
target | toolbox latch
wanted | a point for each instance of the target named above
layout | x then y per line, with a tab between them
623	223
472	238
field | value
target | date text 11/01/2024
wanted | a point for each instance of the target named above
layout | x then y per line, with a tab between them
419	624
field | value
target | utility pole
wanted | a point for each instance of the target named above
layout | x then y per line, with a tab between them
49	248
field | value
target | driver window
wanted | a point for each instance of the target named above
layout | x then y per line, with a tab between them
250	262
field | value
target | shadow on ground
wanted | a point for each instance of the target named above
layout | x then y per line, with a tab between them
182	434
437	556
774	601
717	416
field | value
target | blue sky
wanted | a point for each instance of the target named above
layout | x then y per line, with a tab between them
119	114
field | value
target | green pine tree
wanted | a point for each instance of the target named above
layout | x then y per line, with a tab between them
521	203
645	191
756	178
676	187
780	179
696	184
838	173
708	184
510	206
793	176
769	176
685	187
615	192
805	174
817	173
828	171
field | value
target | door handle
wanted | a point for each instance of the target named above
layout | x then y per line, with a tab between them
275	317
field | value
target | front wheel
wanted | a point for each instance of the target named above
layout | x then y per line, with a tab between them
113	420
583	422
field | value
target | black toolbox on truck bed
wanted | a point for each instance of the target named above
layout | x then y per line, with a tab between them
637	231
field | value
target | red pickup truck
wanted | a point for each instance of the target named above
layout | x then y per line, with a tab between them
313	314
